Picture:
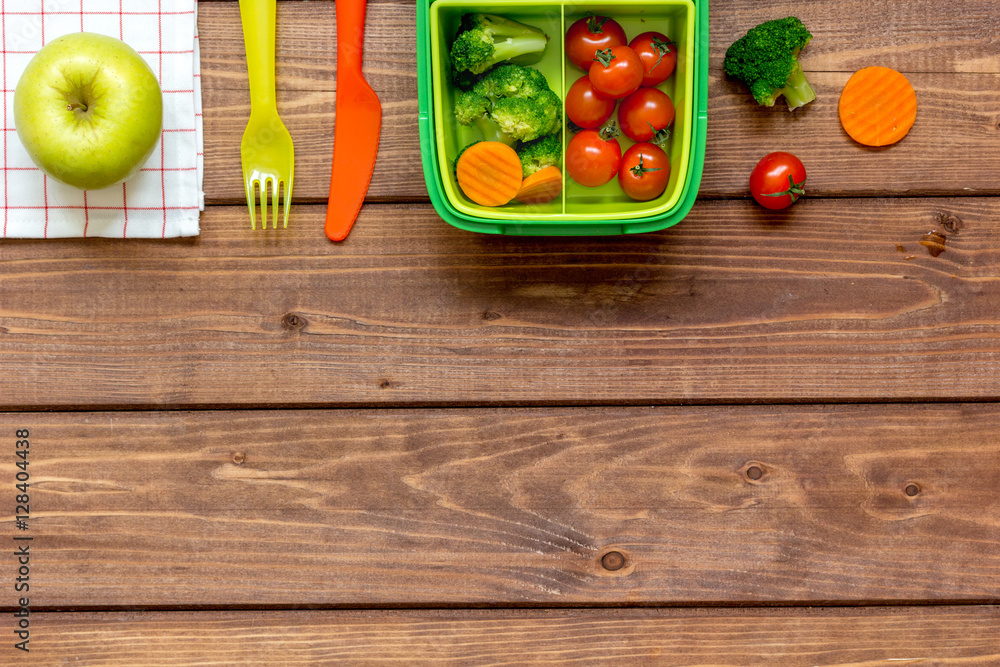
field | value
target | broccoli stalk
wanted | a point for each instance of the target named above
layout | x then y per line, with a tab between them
484	40
492	131
766	60
797	91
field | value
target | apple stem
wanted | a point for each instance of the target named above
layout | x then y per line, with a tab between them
77	105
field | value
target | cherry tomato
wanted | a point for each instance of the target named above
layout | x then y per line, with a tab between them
616	72
644	172
588	36
777	180
646	115
658	54
586	107
592	160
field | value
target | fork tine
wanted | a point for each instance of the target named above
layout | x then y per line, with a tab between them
275	185
251	201
262	196
288	199
256	204
272	200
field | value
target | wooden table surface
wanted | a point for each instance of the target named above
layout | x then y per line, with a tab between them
749	439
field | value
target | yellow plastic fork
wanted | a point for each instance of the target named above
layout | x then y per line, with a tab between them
267	152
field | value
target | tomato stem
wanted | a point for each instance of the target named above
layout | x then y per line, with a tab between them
605	57
595	23
609	131
662	49
660	137
794	190
640	169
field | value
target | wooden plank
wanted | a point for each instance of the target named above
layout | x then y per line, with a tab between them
931	635
742	505
950	54
908	35
838	302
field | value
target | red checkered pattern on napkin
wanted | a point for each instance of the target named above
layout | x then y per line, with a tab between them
165	198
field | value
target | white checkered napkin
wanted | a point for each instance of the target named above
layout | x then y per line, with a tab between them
165	198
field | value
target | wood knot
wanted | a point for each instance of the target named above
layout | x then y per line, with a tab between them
613	561
239	458
291	321
951	223
385	383
490	316
754	471
911	490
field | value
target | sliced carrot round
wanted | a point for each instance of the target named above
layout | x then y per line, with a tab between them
878	106
541	187
489	173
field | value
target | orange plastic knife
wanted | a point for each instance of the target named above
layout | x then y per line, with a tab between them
357	125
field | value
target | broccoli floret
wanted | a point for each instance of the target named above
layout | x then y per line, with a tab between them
512	81
484	40
471	106
766	59
540	153
511	104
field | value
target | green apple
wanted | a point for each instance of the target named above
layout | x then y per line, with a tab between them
88	110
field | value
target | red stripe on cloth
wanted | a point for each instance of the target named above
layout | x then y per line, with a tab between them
125	208
86	211
104	208
74	13
163	137
6	182
45	178
45	191
121	32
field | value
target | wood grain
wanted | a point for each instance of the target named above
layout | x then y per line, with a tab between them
907	35
513	507
837	301
950	53
830	637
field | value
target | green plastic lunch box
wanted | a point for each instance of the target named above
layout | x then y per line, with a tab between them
580	211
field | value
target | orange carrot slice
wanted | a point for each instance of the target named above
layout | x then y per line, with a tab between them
489	173
541	187
878	106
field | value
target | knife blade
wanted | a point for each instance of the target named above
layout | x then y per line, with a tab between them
358	124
